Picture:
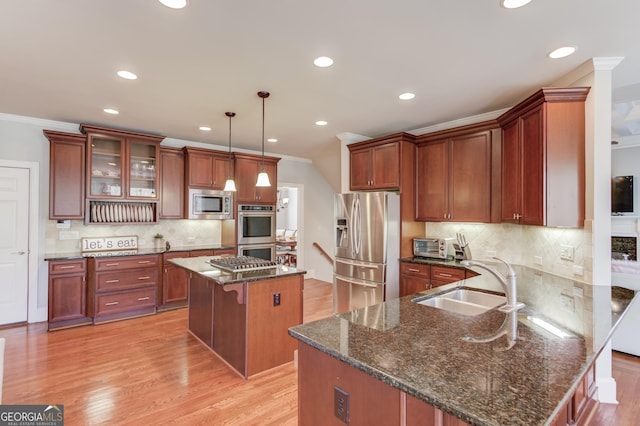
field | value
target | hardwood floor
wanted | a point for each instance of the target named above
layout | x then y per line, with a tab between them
151	371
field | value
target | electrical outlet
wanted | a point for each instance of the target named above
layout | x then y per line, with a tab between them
567	252
578	270
341	404
567	302
578	291
537	260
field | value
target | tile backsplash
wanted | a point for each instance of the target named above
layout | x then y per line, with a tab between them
179	233
538	247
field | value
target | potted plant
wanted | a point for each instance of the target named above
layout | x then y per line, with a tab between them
158	241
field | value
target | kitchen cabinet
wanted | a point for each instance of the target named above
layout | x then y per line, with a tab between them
543	159
414	277
122	166
172	188
122	286
206	168
247	167
367	401
175	280
66	175
580	407
67	294
374	165
454	178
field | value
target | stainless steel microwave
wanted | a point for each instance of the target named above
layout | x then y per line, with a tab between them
439	248
209	204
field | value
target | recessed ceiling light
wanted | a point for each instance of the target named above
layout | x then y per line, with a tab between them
323	61
514	4
111	111
562	52
407	96
272	140
127	75
321	123
205	128
174	4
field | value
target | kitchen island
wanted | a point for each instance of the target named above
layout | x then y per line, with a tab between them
243	317
399	362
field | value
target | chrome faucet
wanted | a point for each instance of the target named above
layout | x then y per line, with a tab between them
508	283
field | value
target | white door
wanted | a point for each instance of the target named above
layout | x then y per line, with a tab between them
14	244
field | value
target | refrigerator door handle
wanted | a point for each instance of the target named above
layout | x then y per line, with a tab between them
358	265
360	283
358	226
352	225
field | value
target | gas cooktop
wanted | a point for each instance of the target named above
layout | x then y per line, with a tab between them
242	263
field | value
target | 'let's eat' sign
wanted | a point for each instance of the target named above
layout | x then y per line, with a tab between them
110	243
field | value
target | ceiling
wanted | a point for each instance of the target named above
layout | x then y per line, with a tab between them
460	58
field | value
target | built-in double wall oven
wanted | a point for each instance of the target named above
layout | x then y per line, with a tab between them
257	231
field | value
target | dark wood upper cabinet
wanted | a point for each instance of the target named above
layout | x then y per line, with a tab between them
172	186
247	167
121	164
66	175
375	165
206	168
454	180
543	156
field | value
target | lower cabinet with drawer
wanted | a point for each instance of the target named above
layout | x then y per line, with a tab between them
67	294
122	286
416	277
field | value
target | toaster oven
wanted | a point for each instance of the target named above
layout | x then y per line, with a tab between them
438	248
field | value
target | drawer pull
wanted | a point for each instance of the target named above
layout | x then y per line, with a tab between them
67	267
442	274
142	262
143	278
112	264
112	281
110	303
143	298
414	270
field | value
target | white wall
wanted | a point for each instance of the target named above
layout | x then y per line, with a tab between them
317	214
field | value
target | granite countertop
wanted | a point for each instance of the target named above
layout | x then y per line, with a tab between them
135	252
423	351
201	266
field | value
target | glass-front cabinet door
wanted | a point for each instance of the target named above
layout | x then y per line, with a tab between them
106	161
143	172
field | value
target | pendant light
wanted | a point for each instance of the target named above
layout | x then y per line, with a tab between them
230	185
263	177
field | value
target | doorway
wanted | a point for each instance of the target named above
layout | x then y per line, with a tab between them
289	233
16	216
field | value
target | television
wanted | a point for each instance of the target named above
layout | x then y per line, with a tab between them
622	194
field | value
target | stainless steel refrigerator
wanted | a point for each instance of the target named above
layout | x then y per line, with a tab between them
367	247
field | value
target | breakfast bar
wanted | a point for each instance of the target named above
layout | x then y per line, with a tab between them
400	362
243	315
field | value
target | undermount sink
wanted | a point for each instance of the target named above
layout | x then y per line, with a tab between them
463	301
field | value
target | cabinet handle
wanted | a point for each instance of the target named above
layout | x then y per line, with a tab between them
142	262
67	267
110	303
112	281
143	298
112	264
143	278
442	274
414	270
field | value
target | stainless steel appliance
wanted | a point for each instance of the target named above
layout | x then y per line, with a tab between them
439	248
367	249
242	263
262	251
256	224
209	204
